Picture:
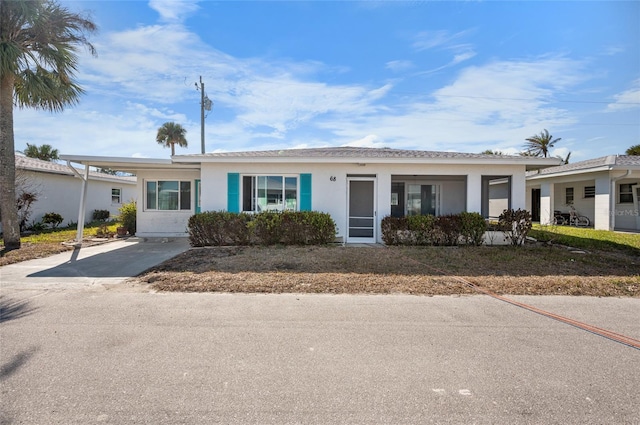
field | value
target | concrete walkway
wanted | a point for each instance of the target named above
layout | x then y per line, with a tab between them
108	263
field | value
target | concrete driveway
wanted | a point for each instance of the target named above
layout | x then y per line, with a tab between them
108	263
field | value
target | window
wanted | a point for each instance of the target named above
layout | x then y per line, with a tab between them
568	196
589	191
168	195
626	193
269	193
423	199
116	196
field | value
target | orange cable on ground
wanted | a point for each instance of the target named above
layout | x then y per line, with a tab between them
622	339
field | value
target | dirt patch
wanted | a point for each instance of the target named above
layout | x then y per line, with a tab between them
532	270
31	251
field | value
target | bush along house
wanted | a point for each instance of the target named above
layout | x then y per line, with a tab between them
358	187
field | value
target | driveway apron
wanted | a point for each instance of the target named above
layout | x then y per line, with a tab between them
108	263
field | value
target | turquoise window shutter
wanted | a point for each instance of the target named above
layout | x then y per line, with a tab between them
305	192
233	192
198	188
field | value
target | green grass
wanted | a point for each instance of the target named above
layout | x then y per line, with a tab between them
65	234
588	238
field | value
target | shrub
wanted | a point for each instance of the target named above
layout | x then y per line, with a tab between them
266	228
473	227
24	203
393	229
307	228
103	231
52	219
36	227
101	215
422	230
515	224
128	214
217	228
448	230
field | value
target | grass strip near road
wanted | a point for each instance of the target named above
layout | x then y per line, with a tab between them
48	242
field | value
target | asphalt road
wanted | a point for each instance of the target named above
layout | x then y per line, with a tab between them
87	355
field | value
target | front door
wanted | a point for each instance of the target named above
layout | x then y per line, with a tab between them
535	205
361	210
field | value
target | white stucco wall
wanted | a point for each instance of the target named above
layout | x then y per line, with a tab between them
600	209
627	215
155	223
61	194
330	195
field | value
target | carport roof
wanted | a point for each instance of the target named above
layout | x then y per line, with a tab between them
40	166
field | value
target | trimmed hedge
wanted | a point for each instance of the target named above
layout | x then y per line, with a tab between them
447	230
216	228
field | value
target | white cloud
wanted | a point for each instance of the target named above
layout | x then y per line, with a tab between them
496	105
442	39
399	65
174	10
628	99
369	141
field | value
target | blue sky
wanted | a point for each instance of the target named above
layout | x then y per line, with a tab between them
446	76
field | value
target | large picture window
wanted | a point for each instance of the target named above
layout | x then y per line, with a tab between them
168	195
269	193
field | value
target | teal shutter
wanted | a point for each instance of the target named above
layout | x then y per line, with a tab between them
305	192
198	188
233	192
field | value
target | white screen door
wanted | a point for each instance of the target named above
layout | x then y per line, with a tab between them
361	210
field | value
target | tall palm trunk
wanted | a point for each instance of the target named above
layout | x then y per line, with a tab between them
8	207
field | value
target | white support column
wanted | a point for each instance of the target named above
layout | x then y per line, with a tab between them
602	214
474	192
518	191
83	202
547	194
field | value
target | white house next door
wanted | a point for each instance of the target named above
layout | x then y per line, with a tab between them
361	212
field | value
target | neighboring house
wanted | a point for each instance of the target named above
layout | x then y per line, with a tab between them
358	187
606	189
58	189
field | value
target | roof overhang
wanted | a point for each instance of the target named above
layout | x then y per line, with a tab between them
529	162
130	165
600	169
193	162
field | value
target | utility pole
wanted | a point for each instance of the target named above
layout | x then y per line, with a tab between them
205	105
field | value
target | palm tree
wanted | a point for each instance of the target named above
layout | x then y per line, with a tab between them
633	150
39	41
44	152
171	134
540	144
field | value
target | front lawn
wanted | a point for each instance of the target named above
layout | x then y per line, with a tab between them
49	242
589	239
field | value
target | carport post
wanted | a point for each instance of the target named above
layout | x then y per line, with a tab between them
83	197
